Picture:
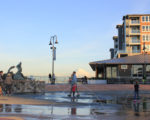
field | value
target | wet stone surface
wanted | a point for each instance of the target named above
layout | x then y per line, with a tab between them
89	106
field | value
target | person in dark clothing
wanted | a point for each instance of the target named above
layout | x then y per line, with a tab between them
1	78
84	81
8	84
53	79
136	90
2	82
50	77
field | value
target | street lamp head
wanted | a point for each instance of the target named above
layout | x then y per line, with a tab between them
50	43
56	42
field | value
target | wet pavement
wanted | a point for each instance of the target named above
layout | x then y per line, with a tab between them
89	106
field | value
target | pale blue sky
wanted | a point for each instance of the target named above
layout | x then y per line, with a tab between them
84	29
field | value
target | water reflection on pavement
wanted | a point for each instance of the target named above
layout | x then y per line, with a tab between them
86	107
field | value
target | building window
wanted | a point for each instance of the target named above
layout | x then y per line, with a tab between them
148	70
147	47
137	70
147	18
143	28
136	49
116	46
108	71
135	21
114	72
143	38
143	18
146	28
135	39
111	72
146	38
135	30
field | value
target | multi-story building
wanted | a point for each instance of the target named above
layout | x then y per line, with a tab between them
130	57
133	36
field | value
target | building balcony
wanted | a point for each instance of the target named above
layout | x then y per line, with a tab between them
135	41
135	22
136	51
124	51
135	31
121	51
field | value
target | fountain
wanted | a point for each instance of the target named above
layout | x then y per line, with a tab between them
22	84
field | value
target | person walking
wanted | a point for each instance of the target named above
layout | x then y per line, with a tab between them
1	78
8	83
136	90
2	82
73	83
50	77
53	79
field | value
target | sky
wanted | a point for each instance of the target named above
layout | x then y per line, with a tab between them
84	29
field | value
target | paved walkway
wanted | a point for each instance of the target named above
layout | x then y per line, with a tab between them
66	87
11	118
19	100
97	87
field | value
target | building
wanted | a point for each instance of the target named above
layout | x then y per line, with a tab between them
123	69
133	35
130	57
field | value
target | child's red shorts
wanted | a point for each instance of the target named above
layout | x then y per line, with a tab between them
74	88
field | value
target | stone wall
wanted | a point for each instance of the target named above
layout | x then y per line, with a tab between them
28	86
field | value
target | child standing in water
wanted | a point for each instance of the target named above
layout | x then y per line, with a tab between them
74	87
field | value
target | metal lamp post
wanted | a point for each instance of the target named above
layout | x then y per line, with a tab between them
144	76
52	43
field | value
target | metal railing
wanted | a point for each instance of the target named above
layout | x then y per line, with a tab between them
124	51
135	41
135	22
136	51
135	31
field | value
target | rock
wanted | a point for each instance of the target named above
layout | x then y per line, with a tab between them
28	86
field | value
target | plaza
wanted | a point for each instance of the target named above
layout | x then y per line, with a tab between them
96	102
74	60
